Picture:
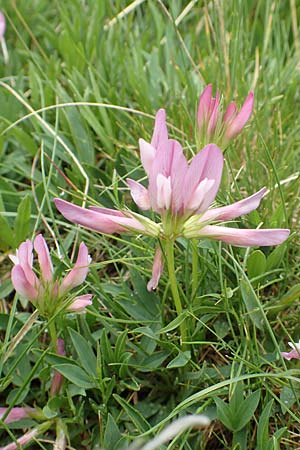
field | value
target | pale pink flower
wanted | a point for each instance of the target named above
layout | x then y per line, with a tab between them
213	126
182	194
295	353
46	292
17	413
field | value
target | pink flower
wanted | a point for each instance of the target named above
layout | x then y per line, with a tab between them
17	413
295	353
212	126
182	194
47	293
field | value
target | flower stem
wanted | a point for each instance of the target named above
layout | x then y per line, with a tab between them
195	267
169	248
53	335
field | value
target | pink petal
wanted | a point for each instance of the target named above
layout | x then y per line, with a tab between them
79	272
169	162
45	262
2	25
80	303
16	413
214	114
139	194
178	173
204	105
236	125
290	355
107	211
94	218
25	258
129	223
230	112
160	133
157	270
236	209
244	238
164	191
200	194
22	285
148	153
206	164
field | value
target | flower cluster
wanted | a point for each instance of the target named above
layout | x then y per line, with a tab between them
47	293
213	126
181	192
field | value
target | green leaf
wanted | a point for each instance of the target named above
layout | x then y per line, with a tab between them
85	353
112	434
175	323
288	397
274	442
146	302
246	410
76	375
256	264
120	346
225	414
6	235
153	361
180	360
22	222
106	349
274	259
134	415
252	304
263	427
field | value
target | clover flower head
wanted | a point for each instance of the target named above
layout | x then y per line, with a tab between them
46	292
181	193
215	127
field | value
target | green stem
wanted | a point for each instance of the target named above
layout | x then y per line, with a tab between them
169	248
53	335
195	267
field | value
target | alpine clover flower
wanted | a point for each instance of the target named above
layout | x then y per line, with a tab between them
48	293
182	194
213	126
295	353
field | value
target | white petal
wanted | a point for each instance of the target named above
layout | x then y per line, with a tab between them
164	191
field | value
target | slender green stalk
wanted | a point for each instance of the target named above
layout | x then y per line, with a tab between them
53	335
169	248
195	267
